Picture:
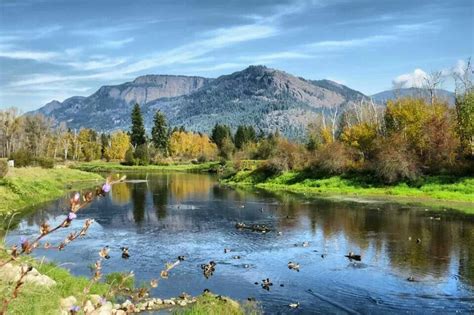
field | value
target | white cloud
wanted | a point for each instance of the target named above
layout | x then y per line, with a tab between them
28	54
96	63
219	66
350	43
116	43
460	67
415	79
273	57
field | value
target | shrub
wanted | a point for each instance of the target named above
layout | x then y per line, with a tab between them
441	144
142	155
22	158
333	159
3	168
288	156
129	159
45	162
394	162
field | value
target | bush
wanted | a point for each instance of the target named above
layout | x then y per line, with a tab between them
333	159
22	158
129	159
394	162
142	155
45	162
3	168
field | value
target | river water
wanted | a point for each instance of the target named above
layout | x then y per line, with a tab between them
186	214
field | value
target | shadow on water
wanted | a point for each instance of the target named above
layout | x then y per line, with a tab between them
190	214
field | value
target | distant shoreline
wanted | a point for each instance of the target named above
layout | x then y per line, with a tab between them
435	192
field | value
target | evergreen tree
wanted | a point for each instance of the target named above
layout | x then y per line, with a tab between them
137	135
219	133
104	142
243	135
159	132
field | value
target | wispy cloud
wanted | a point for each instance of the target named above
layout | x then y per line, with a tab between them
116	43
27	54
276	56
350	43
30	34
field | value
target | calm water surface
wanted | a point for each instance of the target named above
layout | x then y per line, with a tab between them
190	214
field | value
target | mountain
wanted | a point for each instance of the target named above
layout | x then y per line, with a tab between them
266	98
109	108
384	96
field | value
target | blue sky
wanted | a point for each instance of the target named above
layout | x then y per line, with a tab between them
54	49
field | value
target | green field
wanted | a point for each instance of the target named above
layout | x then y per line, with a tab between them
26	187
437	191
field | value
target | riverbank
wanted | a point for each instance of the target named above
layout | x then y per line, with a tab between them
29	186
53	290
437	191
101	166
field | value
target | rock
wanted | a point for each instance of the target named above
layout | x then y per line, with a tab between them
117	306
95	299
169	302
126	304
12	272
68	302
88	307
182	303
119	312
158	301
105	309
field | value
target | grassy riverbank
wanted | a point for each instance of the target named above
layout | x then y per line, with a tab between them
100	166
36	299
439	191
25	187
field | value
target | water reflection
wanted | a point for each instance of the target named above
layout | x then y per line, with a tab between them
190	214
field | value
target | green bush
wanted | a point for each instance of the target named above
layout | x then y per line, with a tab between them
3	168
22	158
45	162
129	159
142	155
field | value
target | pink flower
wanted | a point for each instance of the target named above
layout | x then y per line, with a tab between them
76	197
106	187
71	216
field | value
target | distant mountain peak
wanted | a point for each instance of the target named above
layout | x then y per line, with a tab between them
269	99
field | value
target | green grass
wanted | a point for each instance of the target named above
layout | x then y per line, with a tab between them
211	304
101	166
34	299
441	191
26	187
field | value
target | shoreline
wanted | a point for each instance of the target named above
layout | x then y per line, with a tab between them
114	166
24	188
337	188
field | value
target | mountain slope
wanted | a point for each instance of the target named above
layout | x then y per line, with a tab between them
384	96
266	98
109	108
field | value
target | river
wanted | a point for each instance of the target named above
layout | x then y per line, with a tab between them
176	214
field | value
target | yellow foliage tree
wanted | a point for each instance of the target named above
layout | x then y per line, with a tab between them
118	146
191	145
360	136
